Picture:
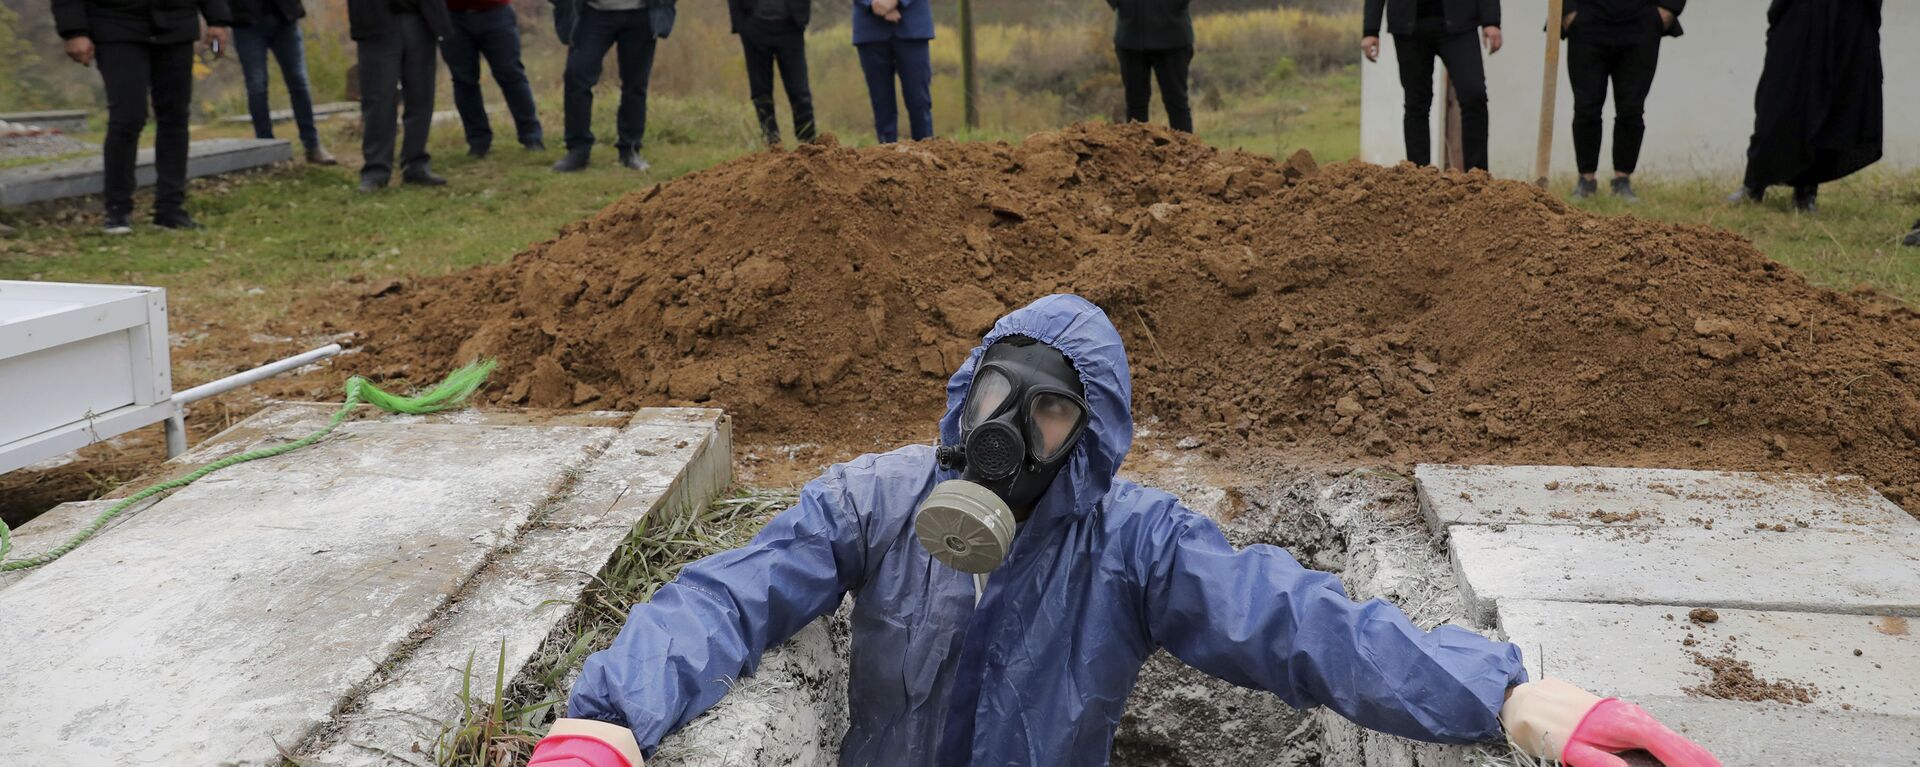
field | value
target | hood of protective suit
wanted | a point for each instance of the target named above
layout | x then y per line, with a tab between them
1079	330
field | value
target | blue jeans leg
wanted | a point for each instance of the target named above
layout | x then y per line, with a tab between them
593	36
290	50
461	49
876	62
250	43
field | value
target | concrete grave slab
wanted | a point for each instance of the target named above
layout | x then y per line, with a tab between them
1612	497
58	525
64	120
84	176
1867	571
320	112
233	618
1867	710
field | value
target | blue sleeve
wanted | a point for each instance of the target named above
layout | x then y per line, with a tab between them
679	653
1258	619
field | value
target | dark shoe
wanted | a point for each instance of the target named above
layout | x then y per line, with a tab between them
1747	195
1913	237
1585	188
422	176
630	159
117	223
1623	189
576	160
1806	199
320	156
370	185
177	220
535	146
478	152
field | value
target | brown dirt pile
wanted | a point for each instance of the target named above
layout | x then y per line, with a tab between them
823	295
1733	679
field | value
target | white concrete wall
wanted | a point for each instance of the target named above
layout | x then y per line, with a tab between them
1699	115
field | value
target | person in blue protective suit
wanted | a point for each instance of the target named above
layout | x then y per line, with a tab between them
1008	586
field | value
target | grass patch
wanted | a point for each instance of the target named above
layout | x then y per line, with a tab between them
500	726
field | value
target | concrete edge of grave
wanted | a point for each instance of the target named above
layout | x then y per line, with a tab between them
62	179
320	112
60	523
524	600
1596	496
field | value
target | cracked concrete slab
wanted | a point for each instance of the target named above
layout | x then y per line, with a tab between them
231	619
1613	497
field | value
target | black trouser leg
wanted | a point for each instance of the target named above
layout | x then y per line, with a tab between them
1588	66
1461	53
1415	53
759	56
792	56
1170	71
419	70
125	69
379	59
172	107
1136	79
1633	73
636	68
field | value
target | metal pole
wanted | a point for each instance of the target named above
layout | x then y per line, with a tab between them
970	87
176	424
1549	88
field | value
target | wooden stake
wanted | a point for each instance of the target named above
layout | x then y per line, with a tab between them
1549	88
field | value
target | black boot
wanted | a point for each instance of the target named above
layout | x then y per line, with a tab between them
117	223
175	219
1747	194
422	175
1913	237
1623	189
631	160
1585	188
1806	199
576	160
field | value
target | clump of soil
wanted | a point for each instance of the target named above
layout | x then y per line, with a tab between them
1733	679
1703	615
1397	314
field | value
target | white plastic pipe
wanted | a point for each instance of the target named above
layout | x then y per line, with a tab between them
177	423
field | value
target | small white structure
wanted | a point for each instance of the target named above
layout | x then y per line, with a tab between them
1699	115
84	363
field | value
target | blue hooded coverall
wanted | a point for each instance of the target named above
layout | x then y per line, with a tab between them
1100	575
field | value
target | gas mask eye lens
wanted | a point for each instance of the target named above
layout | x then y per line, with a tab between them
990	390
1053	421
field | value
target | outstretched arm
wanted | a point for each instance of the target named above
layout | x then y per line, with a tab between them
678	654
1258	619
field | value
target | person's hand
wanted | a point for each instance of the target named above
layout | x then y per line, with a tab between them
883	7
221	35
892	16
1553	720
80	49
1493	38
1666	19
1566	22
1370	47
586	743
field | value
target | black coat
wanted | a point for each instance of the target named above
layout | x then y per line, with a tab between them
740	11
1152	25
1818	112
1462	15
292	10
138	21
373	19
1623	13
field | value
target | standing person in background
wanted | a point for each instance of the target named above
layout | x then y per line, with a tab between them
776	31
399	54
1617	39
145	50
491	29
590	28
1817	113
1154	39
263	26
893	37
1427	29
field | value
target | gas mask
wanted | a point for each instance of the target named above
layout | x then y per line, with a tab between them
1022	415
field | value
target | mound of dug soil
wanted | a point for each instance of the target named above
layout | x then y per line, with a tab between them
824	294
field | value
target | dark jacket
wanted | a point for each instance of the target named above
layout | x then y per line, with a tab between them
1462	15
138	21
740	13
566	16
1152	25
291	10
372	19
1623	14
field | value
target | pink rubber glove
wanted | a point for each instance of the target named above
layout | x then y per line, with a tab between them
1614	725
1554	720
585	743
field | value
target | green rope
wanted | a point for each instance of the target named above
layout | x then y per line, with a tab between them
450	393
